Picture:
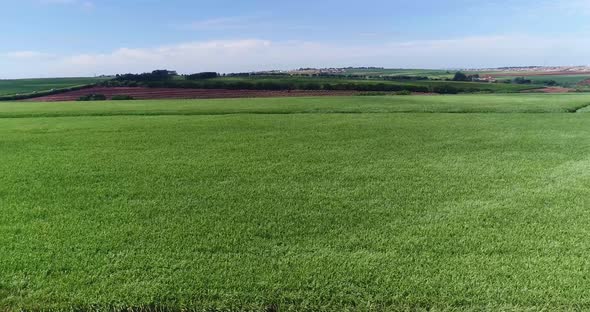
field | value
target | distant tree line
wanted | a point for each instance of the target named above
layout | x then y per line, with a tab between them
156	75
522	80
551	83
203	75
459	76
164	75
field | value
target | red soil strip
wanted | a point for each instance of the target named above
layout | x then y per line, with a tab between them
549	90
173	93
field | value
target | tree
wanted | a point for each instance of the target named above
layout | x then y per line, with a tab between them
459	76
161	74
551	83
204	75
522	80
156	75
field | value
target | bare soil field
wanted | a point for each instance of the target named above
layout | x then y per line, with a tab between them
173	93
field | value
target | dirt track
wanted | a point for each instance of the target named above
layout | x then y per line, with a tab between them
172	93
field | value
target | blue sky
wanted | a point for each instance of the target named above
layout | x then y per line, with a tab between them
44	38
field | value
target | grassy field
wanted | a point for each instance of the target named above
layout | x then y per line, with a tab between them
323	204
21	86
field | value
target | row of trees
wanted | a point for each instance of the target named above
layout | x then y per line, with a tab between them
164	75
522	80
200	76
156	75
459	76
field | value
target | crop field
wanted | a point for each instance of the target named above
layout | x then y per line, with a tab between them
22	86
465	202
430	73
303	82
563	80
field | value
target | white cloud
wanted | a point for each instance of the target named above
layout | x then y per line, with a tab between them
256	54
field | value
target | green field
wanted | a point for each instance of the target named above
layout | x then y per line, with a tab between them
23	86
471	86
468	103
563	80
430	73
469	202
341	83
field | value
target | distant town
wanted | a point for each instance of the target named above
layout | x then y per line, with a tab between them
537	69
